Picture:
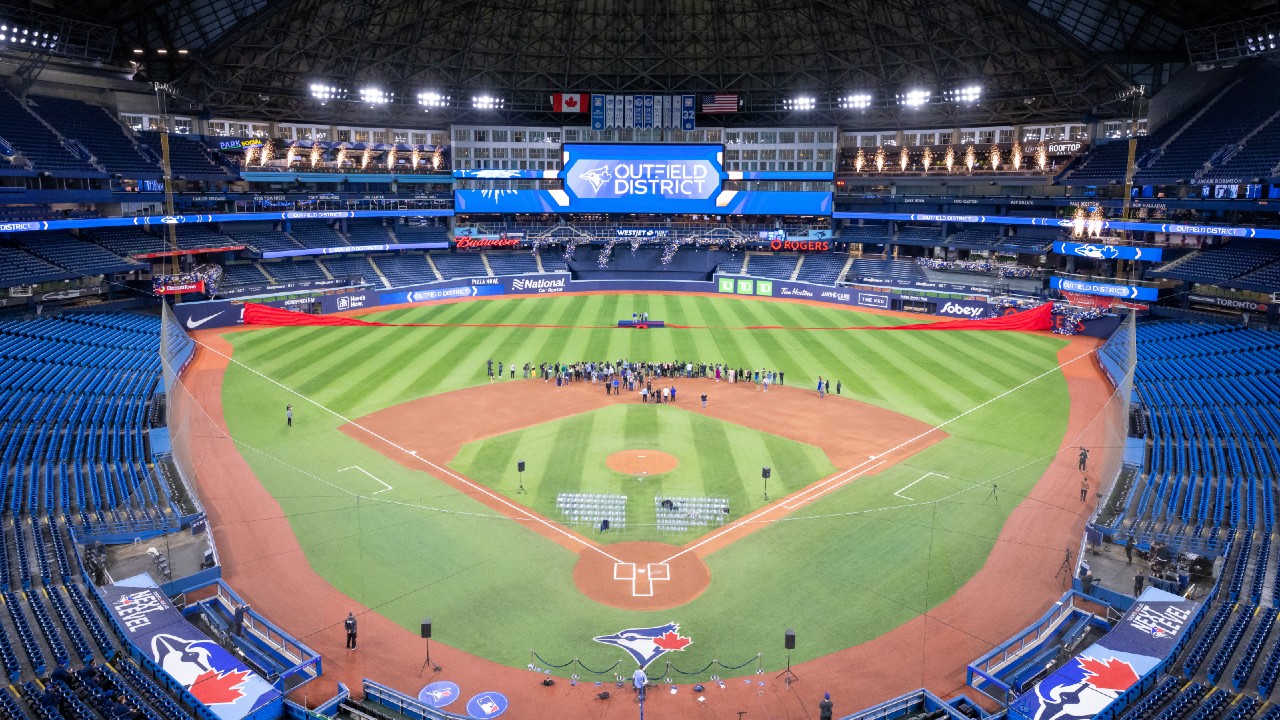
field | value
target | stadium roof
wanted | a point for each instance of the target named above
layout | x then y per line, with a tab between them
1035	59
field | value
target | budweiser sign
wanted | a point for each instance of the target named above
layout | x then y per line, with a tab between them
468	242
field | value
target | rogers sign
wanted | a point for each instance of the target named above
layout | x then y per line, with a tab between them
467	242
800	245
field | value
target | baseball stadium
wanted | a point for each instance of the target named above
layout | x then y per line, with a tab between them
394	360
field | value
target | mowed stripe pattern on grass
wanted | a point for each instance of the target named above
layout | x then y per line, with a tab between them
717	459
845	568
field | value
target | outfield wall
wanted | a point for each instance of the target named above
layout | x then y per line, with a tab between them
225	313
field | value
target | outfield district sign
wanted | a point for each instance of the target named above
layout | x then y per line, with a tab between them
641	178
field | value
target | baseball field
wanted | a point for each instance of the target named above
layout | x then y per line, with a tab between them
398	475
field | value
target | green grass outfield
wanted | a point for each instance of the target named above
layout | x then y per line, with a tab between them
843	571
717	459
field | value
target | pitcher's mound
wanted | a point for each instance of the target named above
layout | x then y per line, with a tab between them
642	462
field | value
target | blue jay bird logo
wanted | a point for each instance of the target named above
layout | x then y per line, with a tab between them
597	177
648	644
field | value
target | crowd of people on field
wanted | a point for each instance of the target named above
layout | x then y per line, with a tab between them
618	376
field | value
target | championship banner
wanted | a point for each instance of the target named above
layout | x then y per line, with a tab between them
1092	680
200	665
644	112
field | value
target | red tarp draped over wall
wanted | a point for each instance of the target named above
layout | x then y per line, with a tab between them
1038	318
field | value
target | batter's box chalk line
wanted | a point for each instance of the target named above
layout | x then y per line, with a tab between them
641	578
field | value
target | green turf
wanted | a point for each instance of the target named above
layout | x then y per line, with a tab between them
717	459
850	566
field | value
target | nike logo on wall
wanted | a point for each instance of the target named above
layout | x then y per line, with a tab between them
193	324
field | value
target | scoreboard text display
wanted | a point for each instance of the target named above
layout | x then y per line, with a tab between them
643	178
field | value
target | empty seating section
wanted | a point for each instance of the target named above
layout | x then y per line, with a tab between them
351	267
236	274
975	238
1212	395
868	233
459	265
731	266
553	262
294	270
19	267
266	241
778	267
1257	158
885	271
679	514
136	241
99	133
1030	239
1243	107
822	268
1264	279
368	232
85	258
592	509
421	233
316	235
512	263
187	158
76	391
405	269
1222	264
930	235
21	129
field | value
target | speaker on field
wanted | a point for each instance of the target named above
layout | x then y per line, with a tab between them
766	472
520	466
789	640
426	628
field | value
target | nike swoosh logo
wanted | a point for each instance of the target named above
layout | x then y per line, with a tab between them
193	324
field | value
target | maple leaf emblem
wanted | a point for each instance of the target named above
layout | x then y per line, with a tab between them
1113	674
570	101
212	688
671	641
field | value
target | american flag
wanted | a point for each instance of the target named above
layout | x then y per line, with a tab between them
719	103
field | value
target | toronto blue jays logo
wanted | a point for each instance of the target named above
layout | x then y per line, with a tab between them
1068	700
191	663
1099	252
597	177
648	644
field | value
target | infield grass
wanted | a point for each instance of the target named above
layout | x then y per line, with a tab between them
852	565
717	459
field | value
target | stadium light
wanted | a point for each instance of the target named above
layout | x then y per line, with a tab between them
1261	43
914	98
857	101
968	94
486	102
431	99
800	104
324	93
375	96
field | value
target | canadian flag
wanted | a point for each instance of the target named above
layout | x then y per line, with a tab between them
570	102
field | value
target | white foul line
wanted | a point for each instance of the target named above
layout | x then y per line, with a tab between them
385	487
413	453
900	490
899	446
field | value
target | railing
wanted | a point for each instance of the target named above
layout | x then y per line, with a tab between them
399	702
